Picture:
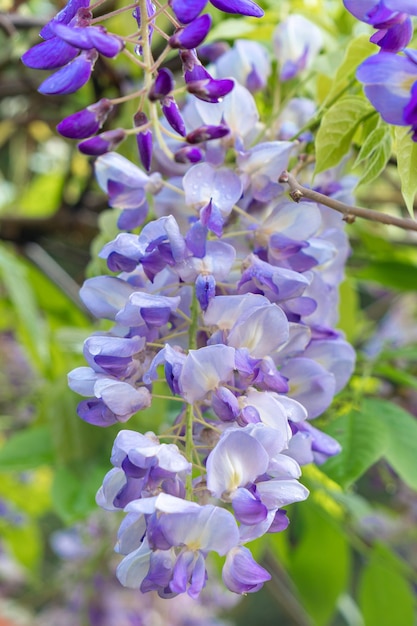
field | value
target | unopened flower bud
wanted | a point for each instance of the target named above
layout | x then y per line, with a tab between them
192	35
173	116
163	85
72	76
188	154
144	140
86	122
102	143
206	133
210	89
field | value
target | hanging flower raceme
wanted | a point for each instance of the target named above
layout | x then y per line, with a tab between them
225	298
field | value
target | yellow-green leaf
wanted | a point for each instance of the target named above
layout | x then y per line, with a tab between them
407	166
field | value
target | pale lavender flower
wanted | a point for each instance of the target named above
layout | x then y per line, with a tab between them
297	41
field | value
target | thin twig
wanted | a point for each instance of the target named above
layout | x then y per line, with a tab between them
297	192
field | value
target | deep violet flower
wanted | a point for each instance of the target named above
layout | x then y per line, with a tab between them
391	18
87	122
188	10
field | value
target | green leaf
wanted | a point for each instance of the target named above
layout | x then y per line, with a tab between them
74	490
320	563
363	439
31	326
375	152
337	129
385	597
407	165
401	426
350	315
357	51
27	449
25	542
43	196
398	376
394	274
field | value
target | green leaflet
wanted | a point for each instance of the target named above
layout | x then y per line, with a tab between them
378	428
363	442
337	128
394	274
320	563
374	154
401	428
73	491
385	596
407	165
27	449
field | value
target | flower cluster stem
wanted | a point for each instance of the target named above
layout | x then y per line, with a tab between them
189	417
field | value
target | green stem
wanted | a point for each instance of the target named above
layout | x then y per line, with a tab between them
189	417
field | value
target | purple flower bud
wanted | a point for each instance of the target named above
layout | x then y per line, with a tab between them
102	143
86	122
187	11
240	7
50	54
241	573
188	154
395	37
205	289
190	61
89	37
191	36
280	522
63	17
225	404
96	412
210	89
150	12
71	77
144	140
173	116
162	86
206	133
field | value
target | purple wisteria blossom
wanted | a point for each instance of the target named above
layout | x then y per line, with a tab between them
389	81
221	296
391	18
297	41
248	62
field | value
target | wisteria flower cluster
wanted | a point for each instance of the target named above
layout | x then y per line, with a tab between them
227	295
390	77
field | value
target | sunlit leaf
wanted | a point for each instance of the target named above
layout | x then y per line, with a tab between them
27	449
407	165
337	128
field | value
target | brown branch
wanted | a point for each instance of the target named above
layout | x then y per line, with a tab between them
11	22
297	192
